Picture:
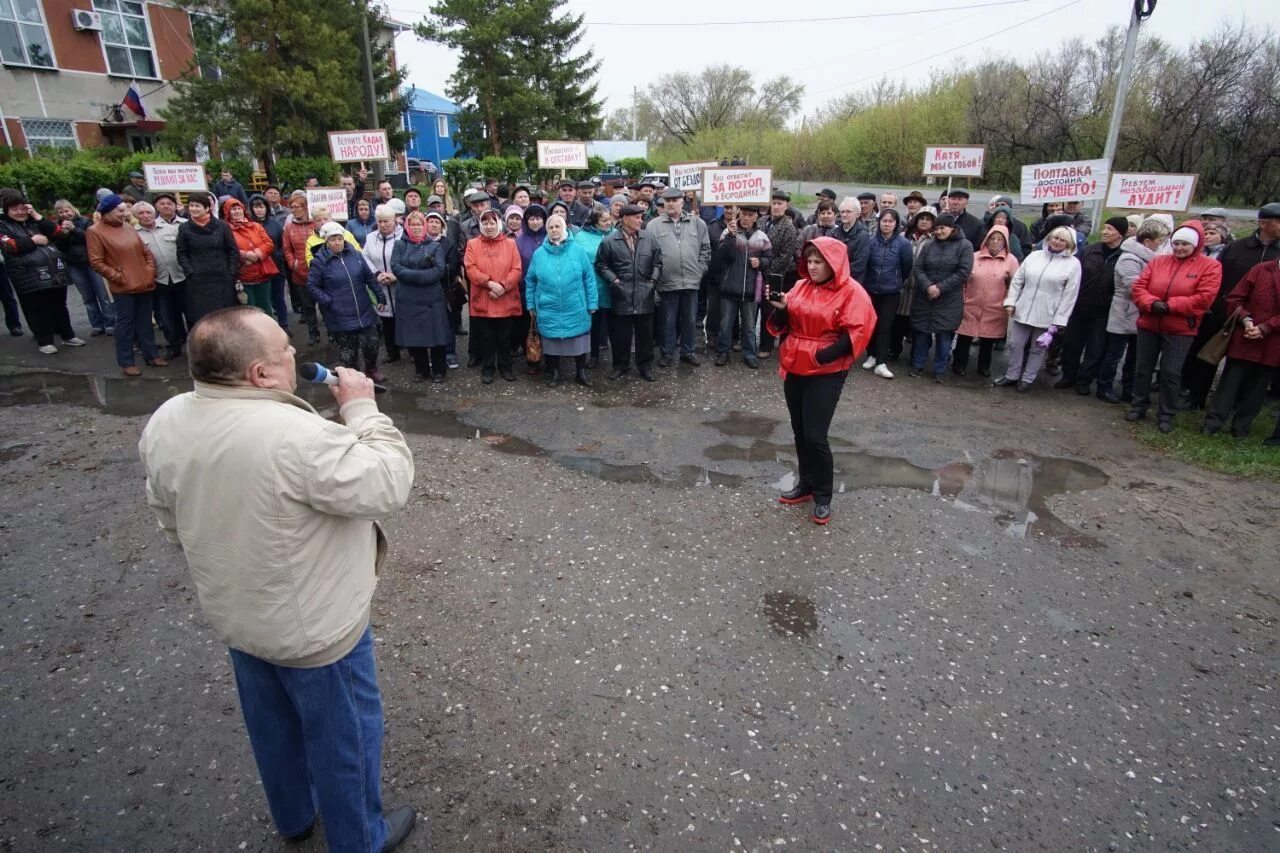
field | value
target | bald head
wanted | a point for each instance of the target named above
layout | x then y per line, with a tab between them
226	342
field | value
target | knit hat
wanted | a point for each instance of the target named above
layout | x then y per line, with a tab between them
620	199
1186	235
1135	220
435	214
331	229
102	193
1163	218
945	220
397	205
109	202
512	210
1120	223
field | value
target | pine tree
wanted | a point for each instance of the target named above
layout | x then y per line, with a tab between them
517	79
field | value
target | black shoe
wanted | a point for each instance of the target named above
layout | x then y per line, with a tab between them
399	824
593	362
301	836
473	361
959	369
1109	397
437	378
173	352
1274	441
647	375
554	377
16	331
1083	390
487	377
722	358
691	360
752	363
313	337
915	371
618	373
419	377
392	358
1165	426
1063	383
937	377
664	361
461	333
580	376
1024	387
1004	382
1135	415
97	333
1208	430
1126	396
821	513
507	374
984	373
798	495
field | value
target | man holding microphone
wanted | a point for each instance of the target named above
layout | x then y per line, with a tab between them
277	509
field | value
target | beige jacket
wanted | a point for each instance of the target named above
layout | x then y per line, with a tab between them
276	509
162	240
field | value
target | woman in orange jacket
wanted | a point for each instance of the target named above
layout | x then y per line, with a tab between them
257	267
493	270
1172	294
828	320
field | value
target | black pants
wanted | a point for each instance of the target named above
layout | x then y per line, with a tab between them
711	320
12	320
46	312
811	401
429	360
1243	390
960	353
389	336
519	332
356	343
491	342
766	338
1083	348
599	331
623	328
886	305
304	305
171	313
1171	350
899	331
1197	375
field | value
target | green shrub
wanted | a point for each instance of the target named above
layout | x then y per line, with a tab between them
292	172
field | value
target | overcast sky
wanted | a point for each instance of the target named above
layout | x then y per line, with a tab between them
639	42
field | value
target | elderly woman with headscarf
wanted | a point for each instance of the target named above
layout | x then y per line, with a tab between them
379	246
93	290
532	232
209	257
1040	299
422	313
940	272
344	287
561	292
561	208
984	316
256	264
493	269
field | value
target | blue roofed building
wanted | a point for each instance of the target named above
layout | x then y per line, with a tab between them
432	122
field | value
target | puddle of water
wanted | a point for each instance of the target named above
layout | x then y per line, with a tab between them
743	424
13	451
790	614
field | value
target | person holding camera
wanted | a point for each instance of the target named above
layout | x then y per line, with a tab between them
825	321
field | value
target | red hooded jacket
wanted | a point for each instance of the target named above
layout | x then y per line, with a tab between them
818	314
251	237
1187	286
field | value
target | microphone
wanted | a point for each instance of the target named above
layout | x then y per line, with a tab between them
321	375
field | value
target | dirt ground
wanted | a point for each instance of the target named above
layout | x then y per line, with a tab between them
598	631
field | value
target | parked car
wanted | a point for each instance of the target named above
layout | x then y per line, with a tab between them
658	177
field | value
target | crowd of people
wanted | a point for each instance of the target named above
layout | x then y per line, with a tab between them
646	273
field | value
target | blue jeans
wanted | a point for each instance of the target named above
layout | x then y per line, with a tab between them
941	343
678	310
93	291
743	311
317	739
133	322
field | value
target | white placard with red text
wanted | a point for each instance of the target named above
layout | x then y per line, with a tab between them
562	155
356	146
334	198
1076	180
1151	191
730	185
955	161
175	177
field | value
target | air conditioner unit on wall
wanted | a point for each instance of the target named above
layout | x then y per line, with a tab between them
83	19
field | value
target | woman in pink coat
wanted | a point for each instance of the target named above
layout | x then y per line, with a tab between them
984	292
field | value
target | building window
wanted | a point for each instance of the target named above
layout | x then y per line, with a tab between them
48	133
126	38
24	39
442	126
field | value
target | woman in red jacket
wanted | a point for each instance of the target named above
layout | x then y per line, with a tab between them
1171	294
828	320
493	278
256	246
1253	354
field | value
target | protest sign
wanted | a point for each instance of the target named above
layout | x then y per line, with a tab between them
737	185
174	177
356	146
562	155
955	161
1076	180
334	198
688	176
1138	191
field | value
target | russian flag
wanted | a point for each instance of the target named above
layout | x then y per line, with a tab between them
133	100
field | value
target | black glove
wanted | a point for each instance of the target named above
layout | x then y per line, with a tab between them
839	349
1159	308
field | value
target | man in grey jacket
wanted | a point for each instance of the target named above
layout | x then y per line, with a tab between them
162	239
686	253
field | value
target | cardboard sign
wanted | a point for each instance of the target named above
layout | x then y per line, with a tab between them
955	161
355	146
562	155
1138	191
172	177
737	185
334	198
687	177
1075	180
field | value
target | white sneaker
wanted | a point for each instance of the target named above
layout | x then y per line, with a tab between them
48	349
882	370
869	363
73	342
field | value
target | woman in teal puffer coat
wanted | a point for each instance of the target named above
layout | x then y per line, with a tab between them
599	224
561	292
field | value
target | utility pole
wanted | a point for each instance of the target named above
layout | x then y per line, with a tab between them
1141	10
635	109
371	95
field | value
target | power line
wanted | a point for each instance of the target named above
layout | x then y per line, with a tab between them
930	11
933	57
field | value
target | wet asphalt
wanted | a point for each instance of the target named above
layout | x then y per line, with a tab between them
599	631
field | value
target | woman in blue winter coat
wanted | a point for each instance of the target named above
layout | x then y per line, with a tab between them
363	223
341	282
561	292
888	266
422	314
